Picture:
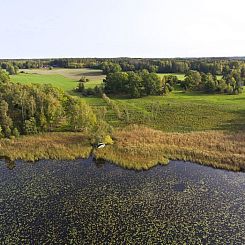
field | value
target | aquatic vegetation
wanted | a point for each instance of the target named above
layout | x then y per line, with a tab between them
81	202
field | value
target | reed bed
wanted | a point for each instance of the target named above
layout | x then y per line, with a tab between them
135	147
67	146
139	147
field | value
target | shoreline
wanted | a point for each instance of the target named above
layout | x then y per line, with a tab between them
135	147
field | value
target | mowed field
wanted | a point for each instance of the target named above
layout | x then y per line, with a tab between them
65	79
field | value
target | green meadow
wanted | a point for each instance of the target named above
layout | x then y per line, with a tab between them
180	76
56	80
65	79
177	112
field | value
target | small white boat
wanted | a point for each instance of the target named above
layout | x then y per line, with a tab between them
100	145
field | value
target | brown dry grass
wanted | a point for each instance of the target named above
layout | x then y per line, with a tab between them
135	147
46	146
139	147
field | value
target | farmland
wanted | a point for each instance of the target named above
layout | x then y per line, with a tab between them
65	79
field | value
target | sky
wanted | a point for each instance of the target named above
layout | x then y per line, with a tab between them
121	28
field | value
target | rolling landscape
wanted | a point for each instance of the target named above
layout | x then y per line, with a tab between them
122	127
55	115
176	116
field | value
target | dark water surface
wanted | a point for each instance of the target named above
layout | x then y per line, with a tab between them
81	202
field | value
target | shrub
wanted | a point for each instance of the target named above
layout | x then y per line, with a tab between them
108	140
16	133
30	126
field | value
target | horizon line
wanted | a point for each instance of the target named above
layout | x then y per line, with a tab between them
123	57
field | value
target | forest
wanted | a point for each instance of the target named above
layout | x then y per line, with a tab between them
31	109
215	66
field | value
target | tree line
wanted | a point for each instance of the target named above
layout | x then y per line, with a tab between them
143	83
215	66
231	82
220	67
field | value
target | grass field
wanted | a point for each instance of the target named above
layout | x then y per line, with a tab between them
180	76
56	80
65	79
177	112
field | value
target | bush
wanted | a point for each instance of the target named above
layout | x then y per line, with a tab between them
30	126
83	80
1	133
89	91
16	133
8	132
108	140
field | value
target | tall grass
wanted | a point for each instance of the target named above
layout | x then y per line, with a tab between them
135	147
182	112
177	114
113	105
138	147
46	146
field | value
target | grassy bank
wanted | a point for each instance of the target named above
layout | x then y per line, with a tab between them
136	147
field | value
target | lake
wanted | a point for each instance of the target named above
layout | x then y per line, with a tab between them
88	202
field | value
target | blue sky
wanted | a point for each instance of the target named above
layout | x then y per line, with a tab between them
116	28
